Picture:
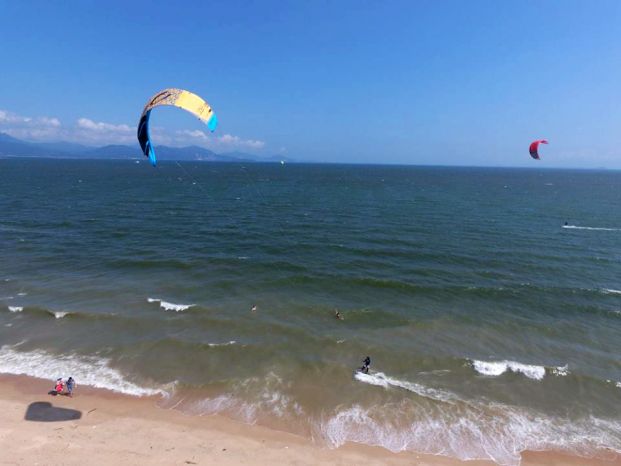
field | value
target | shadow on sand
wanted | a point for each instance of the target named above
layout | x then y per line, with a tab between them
43	411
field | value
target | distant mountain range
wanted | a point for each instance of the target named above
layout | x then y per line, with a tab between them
10	146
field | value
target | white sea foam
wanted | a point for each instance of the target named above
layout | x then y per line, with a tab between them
251	397
500	367
232	342
86	370
382	380
170	306
561	371
60	314
175	307
483	432
496	368
575	227
610	291
16	308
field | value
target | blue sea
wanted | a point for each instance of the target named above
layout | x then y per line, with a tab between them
489	300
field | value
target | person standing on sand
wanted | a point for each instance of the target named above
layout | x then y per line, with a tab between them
70	384
59	386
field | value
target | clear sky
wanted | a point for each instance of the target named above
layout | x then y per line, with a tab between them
414	82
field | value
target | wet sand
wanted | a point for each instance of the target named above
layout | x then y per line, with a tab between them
101	427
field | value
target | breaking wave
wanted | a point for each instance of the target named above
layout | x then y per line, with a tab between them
86	370
170	306
211	345
535	372
498	432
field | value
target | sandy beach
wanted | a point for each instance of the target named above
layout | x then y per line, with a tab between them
101	427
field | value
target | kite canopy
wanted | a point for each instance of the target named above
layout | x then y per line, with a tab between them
534	147
178	98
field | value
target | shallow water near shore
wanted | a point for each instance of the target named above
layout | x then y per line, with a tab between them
492	326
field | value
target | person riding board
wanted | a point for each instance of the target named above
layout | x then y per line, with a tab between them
365	365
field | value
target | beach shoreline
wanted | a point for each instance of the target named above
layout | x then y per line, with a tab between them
98	426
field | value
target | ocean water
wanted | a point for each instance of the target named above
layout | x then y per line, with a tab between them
492	326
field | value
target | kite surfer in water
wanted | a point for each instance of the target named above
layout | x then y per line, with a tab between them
365	365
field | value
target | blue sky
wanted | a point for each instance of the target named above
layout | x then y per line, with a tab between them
414	82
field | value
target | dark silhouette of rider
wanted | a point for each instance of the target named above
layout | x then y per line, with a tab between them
365	365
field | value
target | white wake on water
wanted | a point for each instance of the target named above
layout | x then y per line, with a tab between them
170	306
382	380
86	370
576	227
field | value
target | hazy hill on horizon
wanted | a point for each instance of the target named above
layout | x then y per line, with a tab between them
13	147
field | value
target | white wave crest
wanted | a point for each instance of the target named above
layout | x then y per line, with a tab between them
575	227
16	308
382	380
211	345
59	314
170	306
610	291
496	368
86	370
560	371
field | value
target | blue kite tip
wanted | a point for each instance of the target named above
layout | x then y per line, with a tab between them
212	123
152	158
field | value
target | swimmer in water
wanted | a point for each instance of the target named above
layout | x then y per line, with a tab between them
253	308
337	315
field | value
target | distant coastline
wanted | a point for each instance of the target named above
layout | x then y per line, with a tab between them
13	147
